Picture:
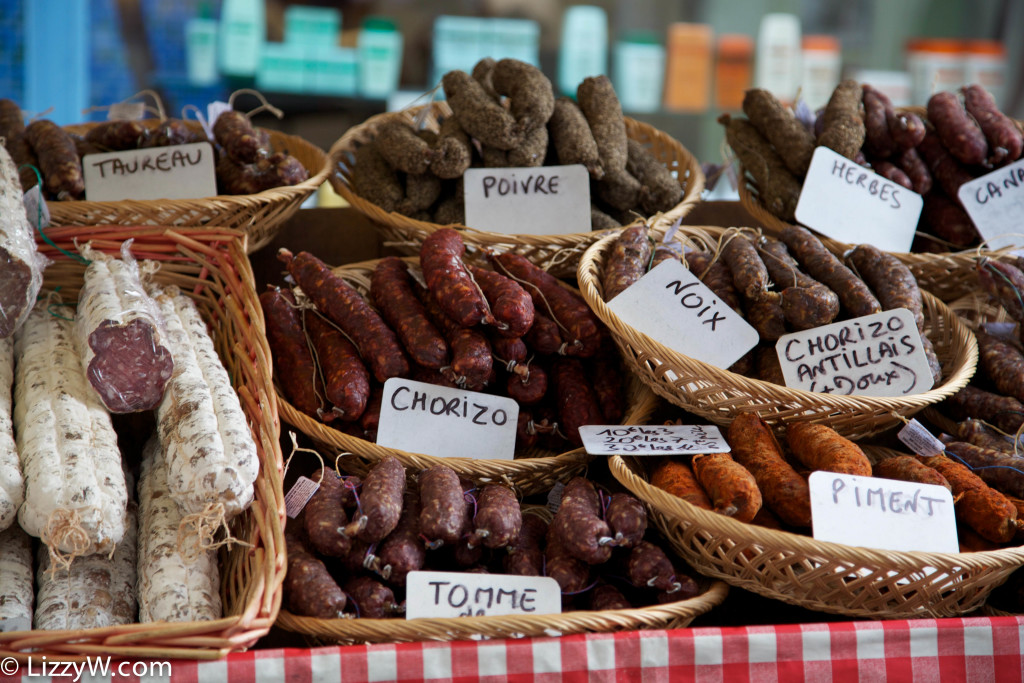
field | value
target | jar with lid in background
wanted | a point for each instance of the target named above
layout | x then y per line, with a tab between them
985	64
822	64
935	64
777	68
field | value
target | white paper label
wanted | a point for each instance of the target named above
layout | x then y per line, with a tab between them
555	496
445	422
874	355
298	495
213	110
995	203
652	439
919	439
672	306
178	172
882	513
36	208
850	203
458	594
126	111
545	200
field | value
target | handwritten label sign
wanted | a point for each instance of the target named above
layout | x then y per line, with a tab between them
995	203
882	513
652	439
178	172
298	495
851	203
874	355
458	594
446	422
545	200
672	306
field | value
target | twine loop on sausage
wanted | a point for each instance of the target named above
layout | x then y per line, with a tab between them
197	532
64	530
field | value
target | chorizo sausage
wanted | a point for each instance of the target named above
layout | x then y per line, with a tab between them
294	365
324	516
577	402
510	304
627	262
450	282
346	379
393	295
823	266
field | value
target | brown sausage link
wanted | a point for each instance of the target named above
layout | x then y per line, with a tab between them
498	520
822	265
999	470
732	489
649	567
783	268
525	556
402	148
449	281
309	588
877	107
843	129
627	261
908	468
530	389
959	133
526	432
58	159
380	501
294	366
1003	363
111	136
627	518
906	128
443	506
608	597
1004	412
946	219
1004	282
778	189
891	171
12	121
346	379
664	253
370	418
609	387
343	305
980	434
755	447
325	517
916	170
510	304
509	350
767	317
453	151
715	274
571	573
236	135
945	169
544	337
577	402
749	274
578	524
1004	139
472	361
567	307
438	378
809	307
402	551
350	485
170	132
393	295
793	142
373	600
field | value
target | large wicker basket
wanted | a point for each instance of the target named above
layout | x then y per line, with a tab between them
556	253
720	395
211	266
536	472
260	215
817	575
351	631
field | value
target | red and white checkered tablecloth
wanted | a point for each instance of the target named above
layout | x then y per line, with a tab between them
967	649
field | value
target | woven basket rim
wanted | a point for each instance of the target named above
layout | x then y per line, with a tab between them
691	191
653	616
588	282
513	470
257	596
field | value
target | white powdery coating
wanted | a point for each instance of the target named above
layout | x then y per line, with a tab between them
12	486
67	444
16	588
96	590
17	235
170	588
211	455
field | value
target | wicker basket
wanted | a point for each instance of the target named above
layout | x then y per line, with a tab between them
720	395
817	575
533	474
556	253
258	215
211	266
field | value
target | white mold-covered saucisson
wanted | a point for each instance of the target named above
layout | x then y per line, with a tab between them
211	455
75	492
21	266
12	486
119	334
93	591
16	588
171	588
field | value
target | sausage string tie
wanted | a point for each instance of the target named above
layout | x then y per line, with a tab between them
547	304
302	304
39	219
986	264
64	528
582	590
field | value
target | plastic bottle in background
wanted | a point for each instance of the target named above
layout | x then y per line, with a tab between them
243	30
935	64
896	85
985	64
201	48
688	69
734	68
638	72
380	57
777	65
822	62
584	46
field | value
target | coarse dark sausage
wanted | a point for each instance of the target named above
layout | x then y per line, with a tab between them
443	506
822	265
498	520
294	365
957	130
380	501
393	295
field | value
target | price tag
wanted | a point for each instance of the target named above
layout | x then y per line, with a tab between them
874	355
545	200
446	422
882	513
920	440
126	111
851	203
178	172
555	496
995	203
672	306
36	208
652	439
213	110
298	495
459	594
